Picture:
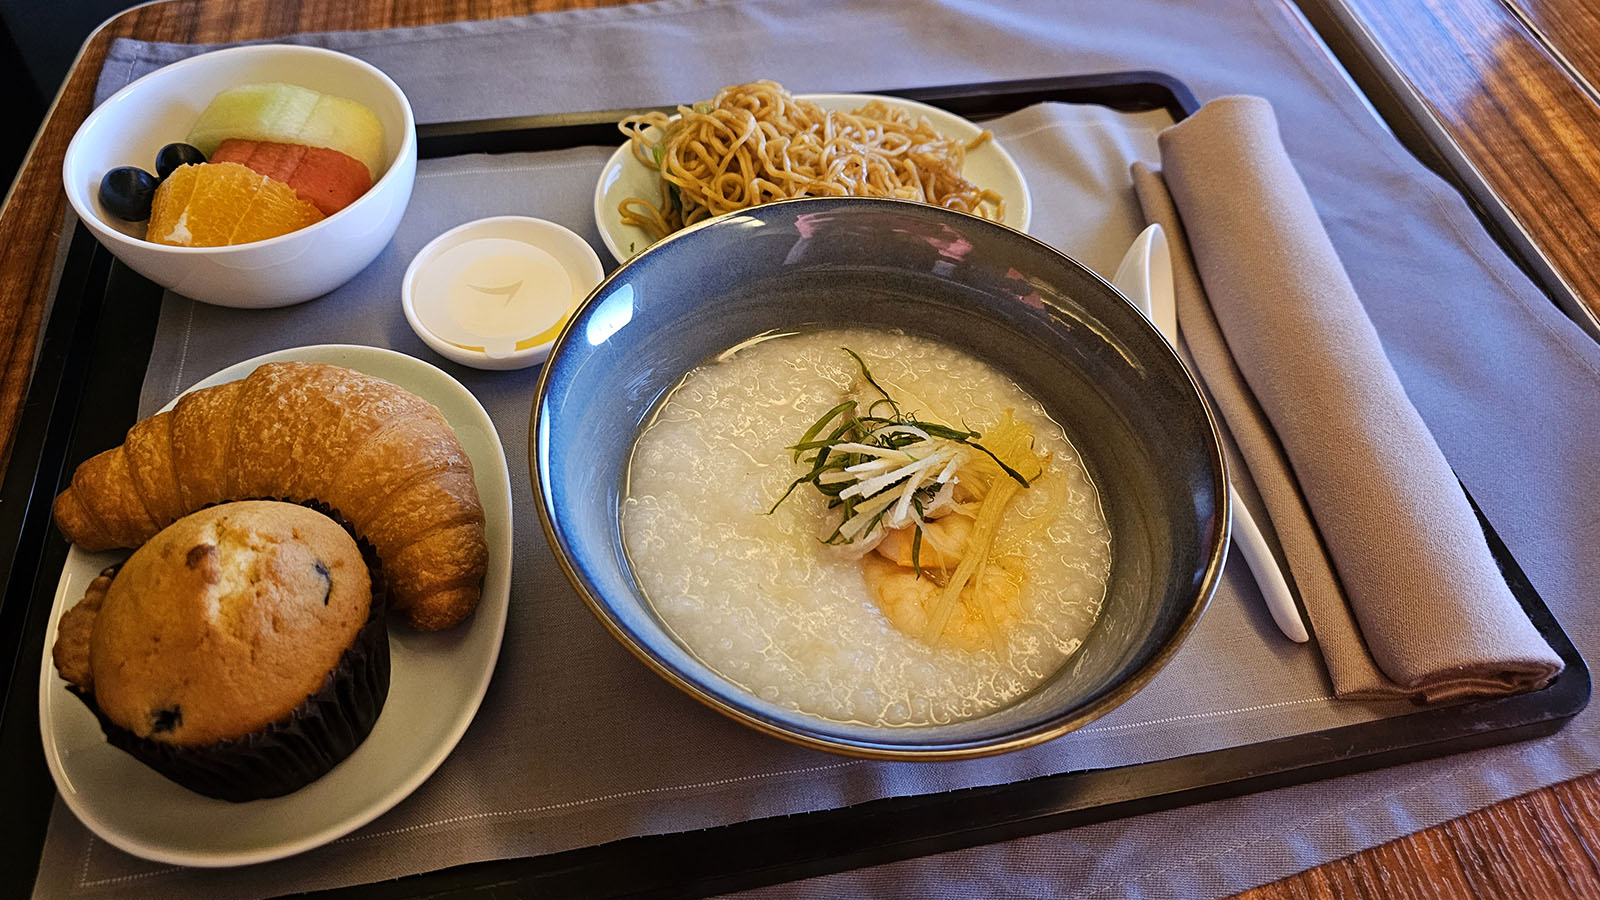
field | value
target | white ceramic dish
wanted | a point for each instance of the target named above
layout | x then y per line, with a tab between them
469	285
988	166
437	681
161	107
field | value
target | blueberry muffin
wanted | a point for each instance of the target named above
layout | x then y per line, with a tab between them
239	652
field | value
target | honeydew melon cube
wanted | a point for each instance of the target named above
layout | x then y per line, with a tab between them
256	112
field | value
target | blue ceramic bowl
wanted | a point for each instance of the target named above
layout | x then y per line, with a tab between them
1056	328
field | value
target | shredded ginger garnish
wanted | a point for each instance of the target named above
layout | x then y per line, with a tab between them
894	487
884	472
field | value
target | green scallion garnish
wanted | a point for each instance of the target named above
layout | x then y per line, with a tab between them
881	470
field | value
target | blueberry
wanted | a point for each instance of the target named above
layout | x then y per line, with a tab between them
164	720
175	155
126	191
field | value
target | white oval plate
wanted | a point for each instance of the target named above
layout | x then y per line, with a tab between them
989	166
436	682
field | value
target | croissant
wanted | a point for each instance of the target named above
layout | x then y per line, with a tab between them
382	457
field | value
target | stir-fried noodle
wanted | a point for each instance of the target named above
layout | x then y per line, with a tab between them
755	143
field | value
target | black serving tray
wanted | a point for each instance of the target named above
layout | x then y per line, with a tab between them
84	397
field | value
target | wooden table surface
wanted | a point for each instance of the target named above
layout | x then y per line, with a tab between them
1512	81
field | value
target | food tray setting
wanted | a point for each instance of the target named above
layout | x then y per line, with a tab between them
99	341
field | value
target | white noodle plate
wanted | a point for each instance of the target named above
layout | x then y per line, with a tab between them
988	166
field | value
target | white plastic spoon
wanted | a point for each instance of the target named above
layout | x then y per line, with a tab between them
1145	277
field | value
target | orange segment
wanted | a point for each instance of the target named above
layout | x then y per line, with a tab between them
216	204
275	209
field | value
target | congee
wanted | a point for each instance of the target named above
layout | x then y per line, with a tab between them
866	526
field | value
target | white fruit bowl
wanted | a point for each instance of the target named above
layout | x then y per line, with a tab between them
160	108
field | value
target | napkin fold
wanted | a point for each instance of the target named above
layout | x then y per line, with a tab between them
1383	548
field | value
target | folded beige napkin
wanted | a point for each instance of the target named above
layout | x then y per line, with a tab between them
1389	561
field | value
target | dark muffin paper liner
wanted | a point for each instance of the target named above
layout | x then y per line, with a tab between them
298	749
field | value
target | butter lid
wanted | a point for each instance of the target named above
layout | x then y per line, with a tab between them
495	293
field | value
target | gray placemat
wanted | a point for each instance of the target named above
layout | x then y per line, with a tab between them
1506	383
